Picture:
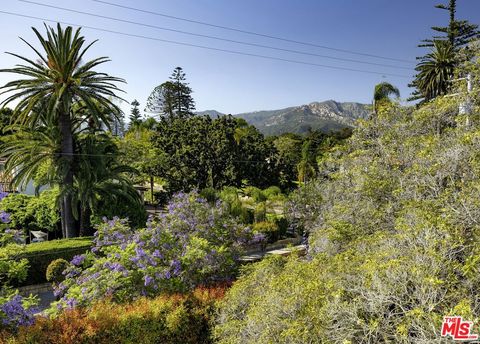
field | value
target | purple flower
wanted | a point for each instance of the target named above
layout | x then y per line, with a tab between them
157	254
4	217
3	194
148	280
71	303
78	260
176	267
15	314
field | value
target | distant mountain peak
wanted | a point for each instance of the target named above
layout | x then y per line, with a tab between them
324	116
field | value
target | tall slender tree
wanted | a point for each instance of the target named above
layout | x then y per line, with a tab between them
173	98
135	116
52	86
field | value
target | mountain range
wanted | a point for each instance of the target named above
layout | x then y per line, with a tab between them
324	116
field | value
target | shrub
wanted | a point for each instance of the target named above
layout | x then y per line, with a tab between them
32	212
255	193
55	270
272	191
168	319
193	243
134	211
269	229
41	254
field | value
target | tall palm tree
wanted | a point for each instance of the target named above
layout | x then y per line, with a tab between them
382	93
435	71
53	85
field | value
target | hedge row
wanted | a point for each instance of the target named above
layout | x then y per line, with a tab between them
167	319
41	254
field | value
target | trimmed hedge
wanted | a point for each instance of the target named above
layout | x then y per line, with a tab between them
170	319
41	254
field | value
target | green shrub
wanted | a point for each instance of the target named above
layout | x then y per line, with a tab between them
41	254
125	208
272	191
229	194
255	193
32	212
247	216
269	229
55	270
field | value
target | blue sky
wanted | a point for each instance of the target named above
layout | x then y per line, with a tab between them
233	83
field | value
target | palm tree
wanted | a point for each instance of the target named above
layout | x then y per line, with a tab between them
436	70
382	93
53	85
99	176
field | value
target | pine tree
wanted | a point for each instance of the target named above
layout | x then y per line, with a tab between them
458	34
135	116
184	104
172	98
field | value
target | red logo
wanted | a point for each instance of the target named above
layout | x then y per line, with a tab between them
458	329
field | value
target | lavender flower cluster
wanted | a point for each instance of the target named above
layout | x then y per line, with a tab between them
14	313
192	243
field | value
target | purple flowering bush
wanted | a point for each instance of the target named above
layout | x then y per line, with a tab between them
194	243
14	309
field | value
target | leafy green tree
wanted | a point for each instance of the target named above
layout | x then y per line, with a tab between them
172	98
137	151
289	154
54	85
200	152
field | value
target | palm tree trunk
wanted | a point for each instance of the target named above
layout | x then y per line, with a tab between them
66	148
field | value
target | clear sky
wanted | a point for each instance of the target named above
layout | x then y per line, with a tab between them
233	83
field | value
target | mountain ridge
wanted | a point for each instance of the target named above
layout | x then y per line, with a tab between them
325	116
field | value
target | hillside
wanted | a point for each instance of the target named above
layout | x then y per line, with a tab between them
325	116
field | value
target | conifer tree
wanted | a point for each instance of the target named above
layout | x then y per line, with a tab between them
135	116
448	40
173	98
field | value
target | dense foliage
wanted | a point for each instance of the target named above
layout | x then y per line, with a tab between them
32	212
166	319
200	152
394	240
15	310
40	255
